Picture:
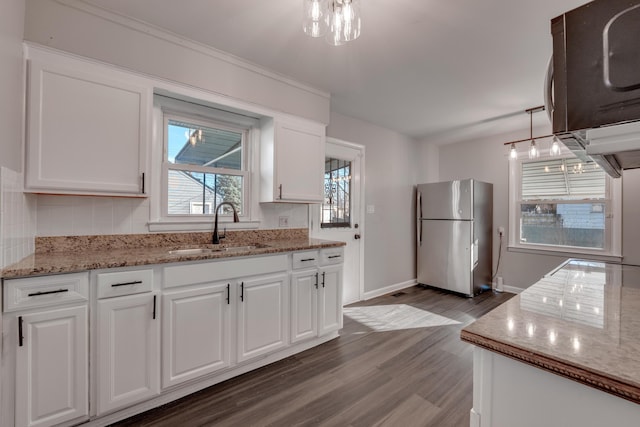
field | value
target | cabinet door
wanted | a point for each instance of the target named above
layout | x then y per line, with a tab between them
299	157
52	361
195	333
262	315
330	299
304	303
128	343
88	127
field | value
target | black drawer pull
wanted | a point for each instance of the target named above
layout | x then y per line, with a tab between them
323	273
154	307
334	256
228	293
307	259
317	280
59	291
20	336
242	291
136	282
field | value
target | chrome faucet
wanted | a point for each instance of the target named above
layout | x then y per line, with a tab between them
216	239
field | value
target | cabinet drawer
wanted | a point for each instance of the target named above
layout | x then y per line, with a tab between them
305	259
331	256
20	294
119	283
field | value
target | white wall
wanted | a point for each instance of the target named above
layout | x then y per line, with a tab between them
631	216
11	83
390	176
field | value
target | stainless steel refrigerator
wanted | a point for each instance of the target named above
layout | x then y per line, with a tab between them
454	234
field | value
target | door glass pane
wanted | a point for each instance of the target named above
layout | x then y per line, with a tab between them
195	193
336	207
563	224
192	144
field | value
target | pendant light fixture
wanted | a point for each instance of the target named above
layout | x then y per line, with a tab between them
337	20
534	149
513	153
554	149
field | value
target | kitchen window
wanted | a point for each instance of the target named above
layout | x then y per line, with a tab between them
205	161
566	205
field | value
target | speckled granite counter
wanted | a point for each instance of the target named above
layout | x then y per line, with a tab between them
80	253
581	321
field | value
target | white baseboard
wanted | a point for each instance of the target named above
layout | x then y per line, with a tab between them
389	289
510	289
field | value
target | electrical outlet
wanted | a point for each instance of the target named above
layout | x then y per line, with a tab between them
283	221
501	231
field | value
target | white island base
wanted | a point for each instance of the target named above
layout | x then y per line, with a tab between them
509	393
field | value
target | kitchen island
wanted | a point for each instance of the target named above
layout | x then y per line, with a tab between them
565	352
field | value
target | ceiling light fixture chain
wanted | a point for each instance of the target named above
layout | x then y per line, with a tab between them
337	20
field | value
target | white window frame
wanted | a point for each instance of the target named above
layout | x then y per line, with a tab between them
613	216
190	112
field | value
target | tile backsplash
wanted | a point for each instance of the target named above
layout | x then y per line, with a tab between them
17	218
86	215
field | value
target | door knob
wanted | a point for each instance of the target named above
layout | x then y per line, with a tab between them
357	236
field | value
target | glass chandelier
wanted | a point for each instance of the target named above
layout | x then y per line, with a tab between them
337	20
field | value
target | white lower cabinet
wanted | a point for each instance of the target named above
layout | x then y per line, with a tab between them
128	350
196	332
52	367
304	304
316	302
330	299
263	315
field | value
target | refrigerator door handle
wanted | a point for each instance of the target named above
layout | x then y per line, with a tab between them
419	216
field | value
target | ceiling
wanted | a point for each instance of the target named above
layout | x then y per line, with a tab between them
439	70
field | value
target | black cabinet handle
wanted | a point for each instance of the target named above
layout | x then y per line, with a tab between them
59	291
154	307
323	273
142	182
228	293
280	188
334	256
307	259
317	280
242	291
20	336
136	282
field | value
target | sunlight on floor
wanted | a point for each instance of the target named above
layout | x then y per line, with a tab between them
395	317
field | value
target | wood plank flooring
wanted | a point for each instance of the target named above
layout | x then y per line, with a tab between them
403	377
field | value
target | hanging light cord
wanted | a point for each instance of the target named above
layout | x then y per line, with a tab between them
499	258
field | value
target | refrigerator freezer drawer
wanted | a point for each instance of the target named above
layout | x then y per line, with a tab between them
445	255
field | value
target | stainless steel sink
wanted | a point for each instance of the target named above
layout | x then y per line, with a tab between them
201	251
194	251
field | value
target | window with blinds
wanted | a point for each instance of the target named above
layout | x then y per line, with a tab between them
563	203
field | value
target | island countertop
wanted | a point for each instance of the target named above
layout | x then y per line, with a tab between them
581	321
81	253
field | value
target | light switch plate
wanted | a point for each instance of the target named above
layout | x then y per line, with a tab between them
371	209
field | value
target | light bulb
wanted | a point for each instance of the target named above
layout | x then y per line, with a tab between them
513	153
533	150
554	150
314	17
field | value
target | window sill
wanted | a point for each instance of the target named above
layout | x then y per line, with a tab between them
566	254
200	225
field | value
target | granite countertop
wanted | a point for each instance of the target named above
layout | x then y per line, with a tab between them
581	321
80	253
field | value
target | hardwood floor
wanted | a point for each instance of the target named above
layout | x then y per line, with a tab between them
419	376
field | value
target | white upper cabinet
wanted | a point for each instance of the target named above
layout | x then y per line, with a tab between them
292	161
87	127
